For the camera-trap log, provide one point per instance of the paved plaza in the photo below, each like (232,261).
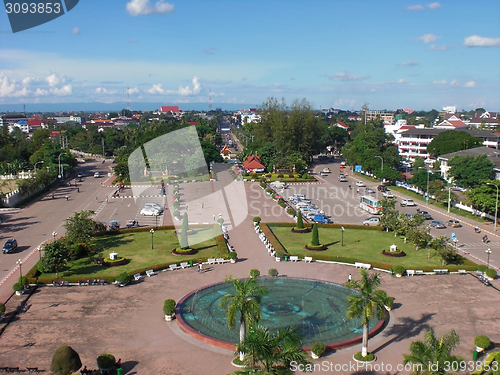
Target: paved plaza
(129,323)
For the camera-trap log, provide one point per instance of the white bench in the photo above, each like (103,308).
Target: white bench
(410,272)
(363,265)
(440,271)
(184,265)
(294,258)
(419,272)
(173,267)
(137,277)
(211,261)
(150,273)
(219,260)
(308,259)
(462,271)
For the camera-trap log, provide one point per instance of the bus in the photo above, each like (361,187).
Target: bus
(370,204)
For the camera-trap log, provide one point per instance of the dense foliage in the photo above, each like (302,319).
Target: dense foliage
(452,141)
(470,171)
(65,361)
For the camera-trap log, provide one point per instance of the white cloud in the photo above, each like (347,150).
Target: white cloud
(470,84)
(344,76)
(7,86)
(401,80)
(454,83)
(28,80)
(415,7)
(144,7)
(441,82)
(103,90)
(63,91)
(187,90)
(433,47)
(133,90)
(41,92)
(157,88)
(428,38)
(75,30)
(409,63)
(481,41)
(54,79)
(434,5)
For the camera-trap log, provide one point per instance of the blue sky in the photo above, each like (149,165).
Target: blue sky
(387,53)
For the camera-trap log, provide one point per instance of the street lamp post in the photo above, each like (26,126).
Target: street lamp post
(59,158)
(496,205)
(488,252)
(156,220)
(36,164)
(427,192)
(449,198)
(152,233)
(54,234)
(19,263)
(342,229)
(382,166)
(39,253)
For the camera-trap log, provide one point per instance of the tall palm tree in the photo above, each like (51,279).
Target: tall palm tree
(367,303)
(272,352)
(433,355)
(245,301)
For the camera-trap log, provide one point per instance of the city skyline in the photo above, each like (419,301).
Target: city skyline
(390,54)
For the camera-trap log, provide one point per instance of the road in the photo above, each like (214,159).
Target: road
(342,204)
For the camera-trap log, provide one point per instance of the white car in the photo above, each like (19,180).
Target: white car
(148,211)
(388,194)
(360,183)
(154,206)
(371,221)
(97,175)
(407,202)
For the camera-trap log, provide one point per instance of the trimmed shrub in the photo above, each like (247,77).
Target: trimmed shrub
(291,176)
(176,213)
(315,235)
(290,211)
(257,219)
(318,348)
(254,273)
(2,308)
(281,203)
(305,176)
(169,307)
(65,361)
(369,357)
(389,302)
(23,280)
(263,185)
(273,272)
(124,278)
(232,255)
(281,176)
(482,268)
(268,190)
(482,341)
(17,287)
(106,361)
(300,222)
(399,270)
(490,272)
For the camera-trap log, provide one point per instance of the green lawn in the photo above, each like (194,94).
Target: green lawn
(136,246)
(360,246)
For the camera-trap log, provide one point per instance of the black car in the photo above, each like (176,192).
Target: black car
(9,246)
(426,215)
(382,188)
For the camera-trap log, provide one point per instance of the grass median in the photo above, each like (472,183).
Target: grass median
(364,246)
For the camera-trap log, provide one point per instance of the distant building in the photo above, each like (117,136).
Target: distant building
(8,119)
(386,117)
(225,153)
(253,164)
(172,110)
(64,119)
(452,122)
(491,153)
(23,125)
(249,116)
(488,120)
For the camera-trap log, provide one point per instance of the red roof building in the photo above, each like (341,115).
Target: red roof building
(169,108)
(253,164)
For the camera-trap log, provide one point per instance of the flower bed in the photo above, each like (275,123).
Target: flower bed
(179,251)
(303,230)
(114,262)
(315,248)
(396,254)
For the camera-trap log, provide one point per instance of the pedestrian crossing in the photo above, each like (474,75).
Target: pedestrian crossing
(476,245)
(137,196)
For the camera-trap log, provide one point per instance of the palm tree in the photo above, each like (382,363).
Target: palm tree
(273,352)
(433,354)
(367,303)
(245,301)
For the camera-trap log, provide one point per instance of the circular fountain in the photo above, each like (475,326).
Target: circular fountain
(316,308)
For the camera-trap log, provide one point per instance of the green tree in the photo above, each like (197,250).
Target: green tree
(81,227)
(65,361)
(483,197)
(244,304)
(433,354)
(183,239)
(271,352)
(452,141)
(470,171)
(366,303)
(315,235)
(300,222)
(55,256)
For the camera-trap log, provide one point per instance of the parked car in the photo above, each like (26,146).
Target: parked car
(323,174)
(437,224)
(426,215)
(322,219)
(369,191)
(154,206)
(360,183)
(388,194)
(148,211)
(382,188)
(326,170)
(97,175)
(454,223)
(372,221)
(10,246)
(458,188)
(342,178)
(407,202)
(80,175)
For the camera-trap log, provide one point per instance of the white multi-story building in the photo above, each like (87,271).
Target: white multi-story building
(65,119)
(492,154)
(249,116)
(23,125)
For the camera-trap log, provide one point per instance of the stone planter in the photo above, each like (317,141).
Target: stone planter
(233,261)
(314,356)
(398,275)
(169,318)
(19,292)
(278,259)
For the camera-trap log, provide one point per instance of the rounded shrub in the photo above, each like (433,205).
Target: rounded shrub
(65,361)
(368,358)
(273,272)
(389,302)
(290,211)
(257,219)
(482,268)
(23,280)
(254,273)
(491,273)
(124,278)
(106,361)
(17,287)
(232,255)
(176,213)
(268,190)
(482,341)
(169,307)
(318,348)
(2,308)
(399,270)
